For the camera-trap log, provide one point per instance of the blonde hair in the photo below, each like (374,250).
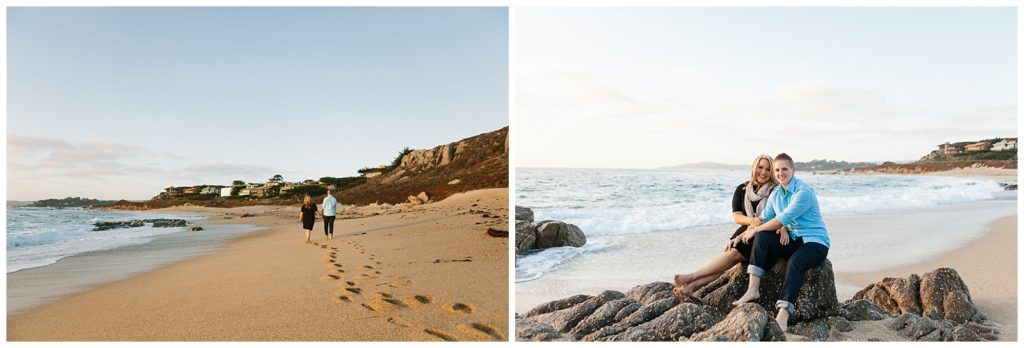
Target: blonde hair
(753,170)
(307,201)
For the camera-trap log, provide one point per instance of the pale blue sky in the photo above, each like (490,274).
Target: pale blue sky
(649,87)
(122,102)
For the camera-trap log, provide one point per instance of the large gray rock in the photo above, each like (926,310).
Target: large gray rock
(603,316)
(817,297)
(895,295)
(648,293)
(552,233)
(566,319)
(526,237)
(531,330)
(682,320)
(524,214)
(862,310)
(557,305)
(934,287)
(747,322)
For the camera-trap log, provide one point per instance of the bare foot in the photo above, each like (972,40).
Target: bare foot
(747,297)
(783,319)
(682,279)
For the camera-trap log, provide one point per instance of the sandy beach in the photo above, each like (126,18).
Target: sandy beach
(419,273)
(988,265)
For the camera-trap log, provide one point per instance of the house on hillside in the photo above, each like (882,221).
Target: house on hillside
(190,191)
(1005,144)
(977,147)
(226,191)
(244,192)
(210,190)
(948,149)
(264,191)
(172,191)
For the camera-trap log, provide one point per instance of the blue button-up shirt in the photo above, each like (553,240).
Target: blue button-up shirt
(330,206)
(797,209)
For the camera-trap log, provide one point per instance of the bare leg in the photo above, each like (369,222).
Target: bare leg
(708,272)
(307,236)
(716,265)
(783,318)
(753,291)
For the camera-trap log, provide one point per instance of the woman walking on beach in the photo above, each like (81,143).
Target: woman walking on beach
(806,244)
(308,215)
(747,203)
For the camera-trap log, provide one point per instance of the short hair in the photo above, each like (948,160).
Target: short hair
(784,157)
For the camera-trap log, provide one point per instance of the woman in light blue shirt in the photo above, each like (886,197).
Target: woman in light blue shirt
(792,205)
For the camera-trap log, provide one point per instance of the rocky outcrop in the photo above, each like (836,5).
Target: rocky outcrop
(106,225)
(532,235)
(650,312)
(748,322)
(936,306)
(817,298)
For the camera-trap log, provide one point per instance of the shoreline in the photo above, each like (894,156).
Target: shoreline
(422,273)
(32,287)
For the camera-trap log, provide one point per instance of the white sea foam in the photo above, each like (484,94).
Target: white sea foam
(608,203)
(41,236)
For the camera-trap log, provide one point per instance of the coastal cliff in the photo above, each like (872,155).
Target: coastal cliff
(472,163)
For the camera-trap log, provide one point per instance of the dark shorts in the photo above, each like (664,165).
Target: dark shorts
(308,225)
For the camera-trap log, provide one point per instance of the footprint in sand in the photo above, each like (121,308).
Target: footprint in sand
(482,330)
(350,283)
(342,299)
(329,278)
(439,334)
(459,308)
(354,290)
(423,299)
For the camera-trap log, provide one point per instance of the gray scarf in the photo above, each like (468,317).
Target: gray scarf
(761,196)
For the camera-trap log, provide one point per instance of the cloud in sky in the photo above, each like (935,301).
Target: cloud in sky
(569,117)
(645,87)
(41,167)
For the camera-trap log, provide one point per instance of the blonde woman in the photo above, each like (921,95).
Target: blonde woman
(307,215)
(747,203)
(805,246)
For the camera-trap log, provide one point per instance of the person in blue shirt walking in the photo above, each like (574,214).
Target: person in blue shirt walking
(330,205)
(792,205)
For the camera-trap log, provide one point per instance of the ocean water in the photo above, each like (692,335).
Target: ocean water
(38,237)
(612,205)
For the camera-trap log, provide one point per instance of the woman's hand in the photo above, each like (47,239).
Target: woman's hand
(754,222)
(783,236)
(748,235)
(731,244)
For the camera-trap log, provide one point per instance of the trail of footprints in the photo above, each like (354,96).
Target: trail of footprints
(368,286)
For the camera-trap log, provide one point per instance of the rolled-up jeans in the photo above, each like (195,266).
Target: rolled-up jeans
(802,257)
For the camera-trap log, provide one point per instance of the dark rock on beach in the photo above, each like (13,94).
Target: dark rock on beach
(936,306)
(106,225)
(748,322)
(531,235)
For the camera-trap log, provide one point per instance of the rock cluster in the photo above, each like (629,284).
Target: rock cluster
(531,235)
(935,306)
(107,225)
(651,312)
